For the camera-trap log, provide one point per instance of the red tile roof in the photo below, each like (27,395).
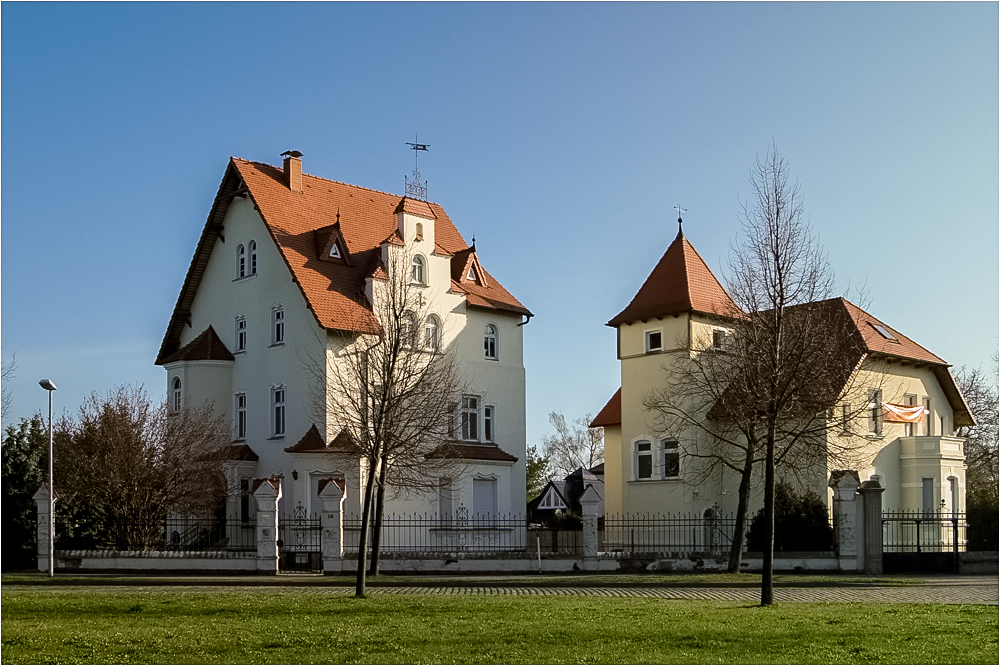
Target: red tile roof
(241,452)
(680,282)
(467,451)
(312,442)
(611,414)
(206,347)
(332,290)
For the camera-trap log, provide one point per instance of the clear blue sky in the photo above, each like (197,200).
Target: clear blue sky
(561,134)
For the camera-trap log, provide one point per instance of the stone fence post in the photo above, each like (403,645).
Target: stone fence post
(845,484)
(590,501)
(871,510)
(41,498)
(267,492)
(332,493)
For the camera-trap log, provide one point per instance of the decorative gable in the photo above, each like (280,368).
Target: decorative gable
(330,244)
(552,500)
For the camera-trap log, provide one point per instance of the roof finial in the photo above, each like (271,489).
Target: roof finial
(338,215)
(473,240)
(416,188)
(680,219)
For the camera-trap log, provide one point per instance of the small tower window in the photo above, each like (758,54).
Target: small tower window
(241,261)
(420,231)
(418,270)
(490,342)
(253,257)
(654,341)
(177,394)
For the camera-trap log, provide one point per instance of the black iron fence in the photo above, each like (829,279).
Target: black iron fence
(431,533)
(179,533)
(300,532)
(923,532)
(691,533)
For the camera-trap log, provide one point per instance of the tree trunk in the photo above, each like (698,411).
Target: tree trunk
(359,590)
(736,550)
(377,531)
(767,574)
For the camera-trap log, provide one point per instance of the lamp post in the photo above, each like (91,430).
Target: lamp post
(50,387)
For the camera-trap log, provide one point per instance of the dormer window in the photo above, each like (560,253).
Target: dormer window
(419,270)
(335,251)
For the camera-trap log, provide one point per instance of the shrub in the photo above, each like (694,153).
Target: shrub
(984,529)
(800,523)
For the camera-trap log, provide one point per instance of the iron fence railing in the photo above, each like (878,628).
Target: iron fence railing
(431,533)
(179,533)
(300,532)
(923,532)
(670,533)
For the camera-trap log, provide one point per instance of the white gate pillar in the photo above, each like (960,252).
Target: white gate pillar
(332,493)
(845,484)
(590,501)
(267,492)
(871,509)
(41,498)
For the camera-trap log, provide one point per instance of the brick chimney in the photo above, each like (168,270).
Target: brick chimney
(293,169)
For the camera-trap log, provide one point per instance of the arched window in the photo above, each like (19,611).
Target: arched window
(432,333)
(418,269)
(253,257)
(176,391)
(241,261)
(490,342)
(420,231)
(408,330)
(955,497)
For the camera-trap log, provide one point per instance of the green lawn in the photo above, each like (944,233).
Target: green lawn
(314,625)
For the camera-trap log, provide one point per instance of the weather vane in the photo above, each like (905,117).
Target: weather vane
(680,215)
(416,188)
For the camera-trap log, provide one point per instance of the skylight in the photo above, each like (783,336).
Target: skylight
(884,332)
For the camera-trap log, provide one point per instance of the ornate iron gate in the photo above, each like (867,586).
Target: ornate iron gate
(300,545)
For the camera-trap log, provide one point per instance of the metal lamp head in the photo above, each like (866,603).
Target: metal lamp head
(47,385)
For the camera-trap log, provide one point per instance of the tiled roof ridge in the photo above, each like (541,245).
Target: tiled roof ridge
(330,180)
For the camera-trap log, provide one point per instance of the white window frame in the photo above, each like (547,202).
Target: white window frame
(253,257)
(418,270)
(408,330)
(910,399)
(490,342)
(432,333)
(241,416)
(241,334)
(175,388)
(489,423)
(719,336)
(875,424)
(928,421)
(647,336)
(279,399)
(241,262)
(638,453)
(277,325)
(469,417)
(335,251)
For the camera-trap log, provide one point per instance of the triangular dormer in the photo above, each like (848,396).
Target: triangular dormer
(466,269)
(331,245)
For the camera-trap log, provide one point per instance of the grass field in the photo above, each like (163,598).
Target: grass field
(303,625)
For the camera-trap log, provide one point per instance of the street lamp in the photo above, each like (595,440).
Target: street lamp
(50,387)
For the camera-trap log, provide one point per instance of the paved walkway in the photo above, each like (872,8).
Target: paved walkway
(957,591)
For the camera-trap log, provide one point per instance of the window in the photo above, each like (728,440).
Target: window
(654,341)
(418,269)
(484,498)
(718,339)
(177,394)
(446,499)
(488,416)
(253,257)
(928,424)
(845,419)
(490,342)
(241,261)
(277,326)
(875,412)
(335,250)
(643,460)
(884,332)
(241,416)
(278,410)
(671,459)
(245,500)
(927,495)
(955,497)
(420,231)
(432,334)
(241,334)
(470,418)
(910,401)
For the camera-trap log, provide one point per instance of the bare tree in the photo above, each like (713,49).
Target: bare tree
(981,443)
(394,393)
(766,395)
(126,463)
(7,369)
(573,445)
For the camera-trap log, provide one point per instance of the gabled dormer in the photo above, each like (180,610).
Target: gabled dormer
(330,244)
(415,221)
(466,269)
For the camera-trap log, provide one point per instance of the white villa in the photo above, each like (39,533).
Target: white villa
(908,429)
(285,264)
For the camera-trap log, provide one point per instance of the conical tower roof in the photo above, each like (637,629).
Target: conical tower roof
(681,282)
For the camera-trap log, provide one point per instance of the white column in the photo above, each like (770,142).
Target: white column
(267,492)
(41,498)
(331,494)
